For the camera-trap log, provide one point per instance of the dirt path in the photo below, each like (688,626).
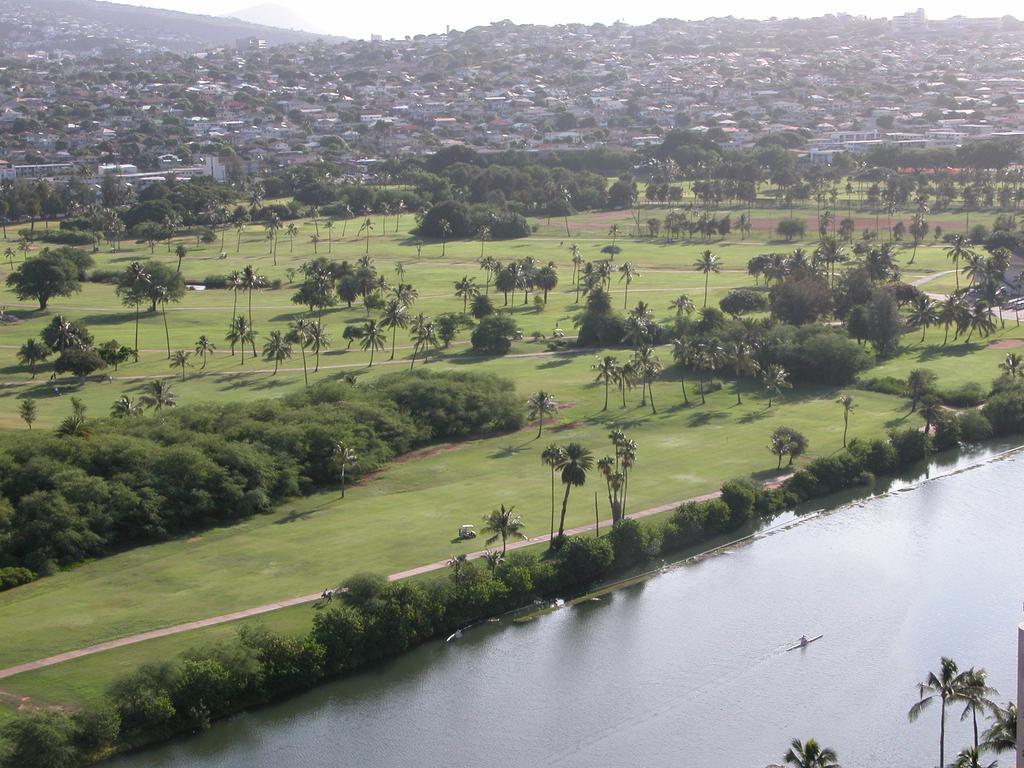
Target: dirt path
(261,609)
(933,276)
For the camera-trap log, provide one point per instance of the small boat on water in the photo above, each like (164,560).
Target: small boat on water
(454,635)
(804,642)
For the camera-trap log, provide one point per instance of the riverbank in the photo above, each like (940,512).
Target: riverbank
(704,642)
(438,609)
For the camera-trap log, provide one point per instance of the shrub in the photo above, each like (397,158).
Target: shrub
(911,445)
(742,300)
(494,335)
(631,542)
(13,576)
(974,426)
(739,496)
(599,329)
(878,456)
(887,385)
(717,516)
(1005,411)
(947,431)
(581,560)
(967,395)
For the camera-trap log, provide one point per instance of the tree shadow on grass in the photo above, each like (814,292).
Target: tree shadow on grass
(705,417)
(955,350)
(291,516)
(557,362)
(254,381)
(767,475)
(118,318)
(508,451)
(753,416)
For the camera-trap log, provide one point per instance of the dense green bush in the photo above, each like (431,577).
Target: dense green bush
(1005,411)
(967,395)
(815,353)
(143,480)
(911,445)
(12,577)
(494,335)
(974,426)
(887,385)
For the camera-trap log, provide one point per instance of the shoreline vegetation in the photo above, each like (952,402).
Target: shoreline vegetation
(372,620)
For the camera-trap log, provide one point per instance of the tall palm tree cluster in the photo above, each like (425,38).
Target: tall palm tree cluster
(946,688)
(951,687)
(525,275)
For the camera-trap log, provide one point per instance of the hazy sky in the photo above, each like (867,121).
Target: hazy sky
(401,17)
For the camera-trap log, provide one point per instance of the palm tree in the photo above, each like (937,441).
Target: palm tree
(976,695)
(125,407)
(628,272)
(924,313)
(1002,734)
(204,347)
(849,407)
(345,458)
(424,336)
(239,229)
(158,395)
(277,348)
(234,284)
(739,353)
(504,525)
(31,353)
(810,755)
(946,686)
(137,281)
(292,231)
(608,370)
(319,341)
(163,295)
(707,263)
(395,316)
(541,404)
(980,319)
(241,333)
(683,352)
(647,365)
(577,260)
(971,758)
(776,379)
(446,229)
(252,280)
(367,227)
(574,462)
(329,226)
(466,289)
(959,248)
(931,412)
(181,252)
(74,425)
(9,254)
(552,456)
(27,411)
(300,333)
(682,304)
(180,359)
(373,338)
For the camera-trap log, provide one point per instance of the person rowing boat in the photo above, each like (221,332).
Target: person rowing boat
(804,641)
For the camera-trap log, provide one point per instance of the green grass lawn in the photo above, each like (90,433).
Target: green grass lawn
(408,513)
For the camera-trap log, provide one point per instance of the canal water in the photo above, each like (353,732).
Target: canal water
(689,668)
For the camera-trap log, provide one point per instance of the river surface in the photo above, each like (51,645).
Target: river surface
(689,668)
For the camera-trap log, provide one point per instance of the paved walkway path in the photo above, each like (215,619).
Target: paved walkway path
(261,609)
